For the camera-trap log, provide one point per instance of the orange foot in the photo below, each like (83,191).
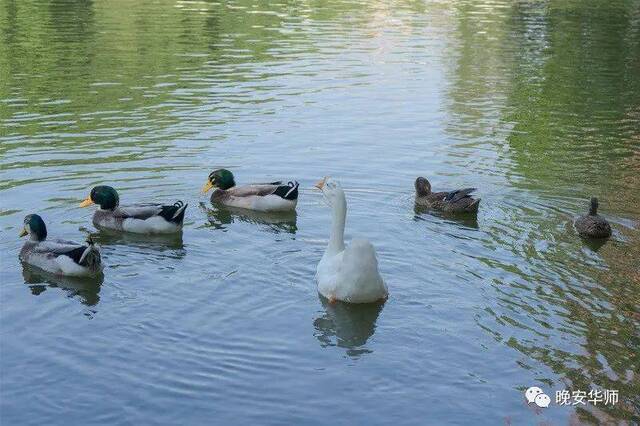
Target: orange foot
(332,299)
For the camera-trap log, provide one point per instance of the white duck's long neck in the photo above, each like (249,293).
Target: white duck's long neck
(336,240)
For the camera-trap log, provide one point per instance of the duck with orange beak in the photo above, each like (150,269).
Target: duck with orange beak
(137,218)
(347,273)
(56,256)
(263,197)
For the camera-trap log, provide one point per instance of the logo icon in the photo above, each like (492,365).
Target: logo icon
(537,396)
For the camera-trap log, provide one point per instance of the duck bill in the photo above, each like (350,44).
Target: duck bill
(86,203)
(320,183)
(23,232)
(207,186)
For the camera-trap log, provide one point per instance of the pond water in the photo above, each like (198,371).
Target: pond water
(537,104)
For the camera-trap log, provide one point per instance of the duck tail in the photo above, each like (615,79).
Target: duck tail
(473,207)
(175,213)
(292,194)
(290,191)
(90,257)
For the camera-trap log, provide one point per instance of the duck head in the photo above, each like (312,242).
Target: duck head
(423,187)
(593,210)
(104,196)
(34,227)
(331,190)
(220,178)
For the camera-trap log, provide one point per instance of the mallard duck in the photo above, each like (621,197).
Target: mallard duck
(57,256)
(349,274)
(593,225)
(140,218)
(458,201)
(265,197)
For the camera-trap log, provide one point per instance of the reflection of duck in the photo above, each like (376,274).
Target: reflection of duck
(275,221)
(86,289)
(458,201)
(465,220)
(594,244)
(351,325)
(161,242)
(139,218)
(266,197)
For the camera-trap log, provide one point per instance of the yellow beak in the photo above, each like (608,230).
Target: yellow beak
(87,202)
(207,186)
(320,183)
(23,232)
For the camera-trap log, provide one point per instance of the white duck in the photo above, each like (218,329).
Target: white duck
(349,274)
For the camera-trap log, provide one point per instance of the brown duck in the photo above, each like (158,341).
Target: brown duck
(458,201)
(593,225)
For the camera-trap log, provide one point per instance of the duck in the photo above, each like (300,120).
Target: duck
(347,273)
(264,197)
(593,225)
(58,257)
(139,218)
(458,201)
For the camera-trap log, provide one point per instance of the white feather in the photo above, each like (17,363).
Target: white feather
(263,203)
(59,265)
(69,267)
(44,262)
(273,203)
(152,225)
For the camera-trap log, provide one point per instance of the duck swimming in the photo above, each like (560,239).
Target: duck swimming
(349,274)
(59,257)
(264,197)
(458,201)
(593,225)
(140,218)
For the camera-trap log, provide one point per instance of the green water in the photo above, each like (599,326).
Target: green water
(537,104)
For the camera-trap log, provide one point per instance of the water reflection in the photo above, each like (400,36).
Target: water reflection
(463,220)
(594,244)
(220,216)
(124,248)
(536,102)
(561,118)
(84,289)
(156,242)
(347,325)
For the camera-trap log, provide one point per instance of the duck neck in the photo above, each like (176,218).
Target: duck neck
(336,241)
(37,238)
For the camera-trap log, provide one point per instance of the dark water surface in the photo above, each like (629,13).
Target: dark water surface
(535,103)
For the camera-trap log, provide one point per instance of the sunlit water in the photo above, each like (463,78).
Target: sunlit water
(536,104)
